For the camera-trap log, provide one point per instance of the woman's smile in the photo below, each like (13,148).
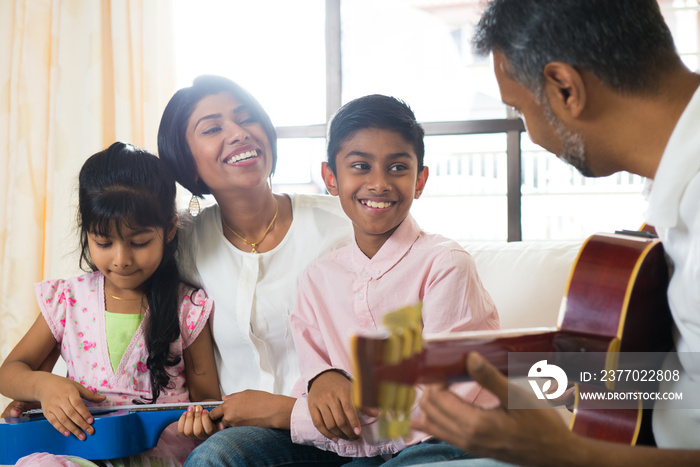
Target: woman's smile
(235,157)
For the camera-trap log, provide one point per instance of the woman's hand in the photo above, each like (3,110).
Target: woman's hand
(331,407)
(254,408)
(62,403)
(196,423)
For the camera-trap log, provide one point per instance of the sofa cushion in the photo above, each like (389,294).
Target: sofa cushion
(525,279)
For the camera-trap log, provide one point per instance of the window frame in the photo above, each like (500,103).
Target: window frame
(511,127)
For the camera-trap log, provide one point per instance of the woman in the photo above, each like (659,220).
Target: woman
(248,250)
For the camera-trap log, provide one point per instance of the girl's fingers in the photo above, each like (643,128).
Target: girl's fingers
(79,414)
(83,418)
(64,425)
(197,429)
(185,425)
(208,426)
(181,423)
(196,423)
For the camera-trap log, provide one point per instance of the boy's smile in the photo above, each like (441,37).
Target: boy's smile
(376,180)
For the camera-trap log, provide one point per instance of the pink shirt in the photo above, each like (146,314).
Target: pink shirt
(345,293)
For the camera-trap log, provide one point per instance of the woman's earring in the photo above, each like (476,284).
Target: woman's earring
(194,206)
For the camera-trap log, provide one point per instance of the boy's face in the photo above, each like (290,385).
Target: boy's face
(376,180)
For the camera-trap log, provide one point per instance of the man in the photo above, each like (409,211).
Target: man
(599,83)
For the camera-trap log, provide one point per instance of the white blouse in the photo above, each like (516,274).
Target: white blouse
(254,293)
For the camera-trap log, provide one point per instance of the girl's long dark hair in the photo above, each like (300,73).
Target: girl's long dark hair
(128,186)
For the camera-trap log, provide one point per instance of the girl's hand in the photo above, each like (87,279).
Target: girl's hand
(63,406)
(17,408)
(331,407)
(196,423)
(254,408)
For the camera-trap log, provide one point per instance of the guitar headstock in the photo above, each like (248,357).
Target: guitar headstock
(383,369)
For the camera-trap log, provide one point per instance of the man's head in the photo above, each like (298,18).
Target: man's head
(624,43)
(551,56)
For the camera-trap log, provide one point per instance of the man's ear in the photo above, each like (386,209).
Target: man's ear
(421,181)
(329,179)
(565,89)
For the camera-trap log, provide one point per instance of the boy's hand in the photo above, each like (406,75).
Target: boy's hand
(196,423)
(63,406)
(331,407)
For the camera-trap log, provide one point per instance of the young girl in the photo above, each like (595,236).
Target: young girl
(130,331)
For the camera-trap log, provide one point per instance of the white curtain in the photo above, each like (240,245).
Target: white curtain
(75,76)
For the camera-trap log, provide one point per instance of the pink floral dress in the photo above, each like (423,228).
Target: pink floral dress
(74,310)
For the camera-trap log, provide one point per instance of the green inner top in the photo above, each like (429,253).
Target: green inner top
(120,328)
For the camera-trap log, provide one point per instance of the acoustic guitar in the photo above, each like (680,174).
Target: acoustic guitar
(615,301)
(120,431)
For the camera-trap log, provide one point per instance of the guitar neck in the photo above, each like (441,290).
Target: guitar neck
(443,358)
(139,407)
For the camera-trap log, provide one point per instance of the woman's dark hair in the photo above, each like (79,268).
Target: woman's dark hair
(172,143)
(625,43)
(127,186)
(374,111)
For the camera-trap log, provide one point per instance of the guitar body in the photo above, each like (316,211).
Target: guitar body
(119,432)
(615,301)
(618,289)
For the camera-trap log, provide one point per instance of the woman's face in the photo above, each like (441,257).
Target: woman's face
(229,145)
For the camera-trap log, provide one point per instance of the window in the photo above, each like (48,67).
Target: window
(302,60)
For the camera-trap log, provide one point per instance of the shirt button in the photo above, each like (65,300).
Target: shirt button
(377,272)
(360,295)
(364,273)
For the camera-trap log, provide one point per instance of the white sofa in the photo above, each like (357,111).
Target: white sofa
(526,279)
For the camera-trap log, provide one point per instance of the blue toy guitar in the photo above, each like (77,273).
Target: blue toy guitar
(119,432)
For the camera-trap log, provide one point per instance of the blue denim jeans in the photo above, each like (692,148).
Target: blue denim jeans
(263,447)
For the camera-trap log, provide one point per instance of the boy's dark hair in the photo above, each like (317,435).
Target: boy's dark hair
(172,142)
(625,43)
(131,187)
(374,111)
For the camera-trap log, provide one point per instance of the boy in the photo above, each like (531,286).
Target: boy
(375,166)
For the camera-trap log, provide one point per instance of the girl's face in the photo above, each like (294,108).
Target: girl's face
(127,261)
(229,145)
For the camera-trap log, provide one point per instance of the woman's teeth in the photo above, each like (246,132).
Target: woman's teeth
(242,156)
